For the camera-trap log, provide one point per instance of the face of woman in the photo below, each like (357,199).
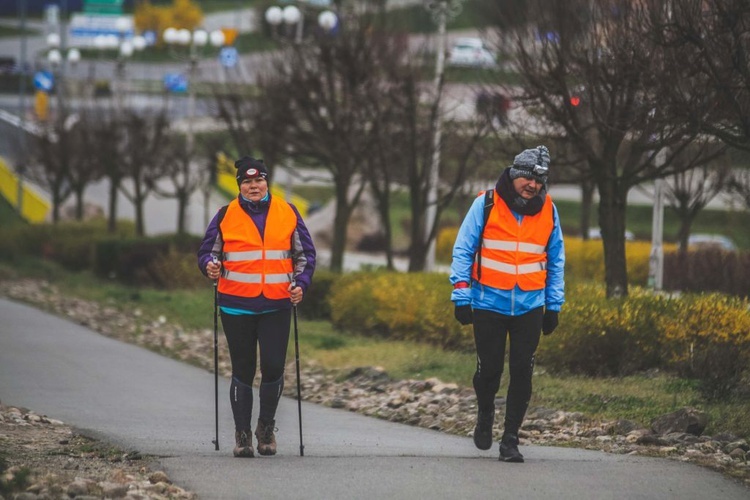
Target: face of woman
(526,188)
(254,189)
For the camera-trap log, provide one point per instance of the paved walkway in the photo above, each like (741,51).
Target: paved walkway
(140,400)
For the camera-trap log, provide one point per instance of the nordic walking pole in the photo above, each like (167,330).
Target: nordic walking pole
(299,389)
(216,357)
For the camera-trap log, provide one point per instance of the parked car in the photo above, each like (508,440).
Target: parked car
(702,240)
(472,53)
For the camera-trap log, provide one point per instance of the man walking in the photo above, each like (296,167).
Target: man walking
(508,280)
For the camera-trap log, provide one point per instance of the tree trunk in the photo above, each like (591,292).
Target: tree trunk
(612,224)
(112,218)
(140,229)
(182,201)
(79,204)
(340,224)
(587,201)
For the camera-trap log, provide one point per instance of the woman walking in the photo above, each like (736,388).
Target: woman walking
(263,257)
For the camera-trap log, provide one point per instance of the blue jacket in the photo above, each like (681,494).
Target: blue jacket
(513,302)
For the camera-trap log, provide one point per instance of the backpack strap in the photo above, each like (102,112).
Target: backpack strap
(489,201)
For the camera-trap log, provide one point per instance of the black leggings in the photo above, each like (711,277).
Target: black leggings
(490,332)
(244,332)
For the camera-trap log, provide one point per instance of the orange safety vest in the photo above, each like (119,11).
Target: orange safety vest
(514,253)
(253,265)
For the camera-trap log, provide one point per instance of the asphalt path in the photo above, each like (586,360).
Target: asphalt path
(142,401)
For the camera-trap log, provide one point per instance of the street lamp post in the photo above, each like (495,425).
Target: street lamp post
(58,64)
(292,15)
(656,257)
(289,15)
(194,40)
(442,11)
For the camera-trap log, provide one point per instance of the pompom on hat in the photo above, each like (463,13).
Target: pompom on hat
(250,168)
(531,164)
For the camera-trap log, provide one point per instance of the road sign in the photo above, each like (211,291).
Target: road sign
(102,6)
(44,80)
(175,82)
(228,57)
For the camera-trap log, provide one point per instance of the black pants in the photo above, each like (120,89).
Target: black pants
(247,334)
(490,332)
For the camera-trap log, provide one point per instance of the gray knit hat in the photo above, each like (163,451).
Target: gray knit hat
(531,164)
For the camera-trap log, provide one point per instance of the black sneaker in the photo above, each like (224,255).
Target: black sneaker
(483,430)
(509,449)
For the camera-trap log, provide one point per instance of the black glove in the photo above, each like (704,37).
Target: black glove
(549,322)
(464,315)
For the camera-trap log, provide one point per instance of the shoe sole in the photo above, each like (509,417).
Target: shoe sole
(512,460)
(244,454)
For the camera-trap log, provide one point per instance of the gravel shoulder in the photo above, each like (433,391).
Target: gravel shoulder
(41,457)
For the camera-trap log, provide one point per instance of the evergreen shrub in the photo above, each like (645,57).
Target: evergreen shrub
(315,303)
(71,244)
(145,261)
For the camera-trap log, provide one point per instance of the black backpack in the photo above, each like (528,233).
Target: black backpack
(489,201)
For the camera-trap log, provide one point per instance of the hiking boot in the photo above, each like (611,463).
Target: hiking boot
(243,444)
(266,438)
(483,429)
(509,449)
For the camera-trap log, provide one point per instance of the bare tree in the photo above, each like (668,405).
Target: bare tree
(87,168)
(316,93)
(620,124)
(55,151)
(184,176)
(707,43)
(144,158)
(690,191)
(739,185)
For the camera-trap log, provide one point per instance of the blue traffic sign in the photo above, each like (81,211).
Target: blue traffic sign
(228,57)
(175,82)
(44,80)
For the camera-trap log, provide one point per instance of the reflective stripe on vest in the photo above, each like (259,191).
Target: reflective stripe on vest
(515,253)
(253,265)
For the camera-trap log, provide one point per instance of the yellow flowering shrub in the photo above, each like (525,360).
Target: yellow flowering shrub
(708,338)
(399,306)
(600,337)
(444,245)
(584,260)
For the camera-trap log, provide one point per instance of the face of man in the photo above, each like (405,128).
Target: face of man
(254,189)
(527,188)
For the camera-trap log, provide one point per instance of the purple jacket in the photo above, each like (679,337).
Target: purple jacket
(303,256)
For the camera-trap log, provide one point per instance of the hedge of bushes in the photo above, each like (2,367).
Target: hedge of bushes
(706,337)
(161,262)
